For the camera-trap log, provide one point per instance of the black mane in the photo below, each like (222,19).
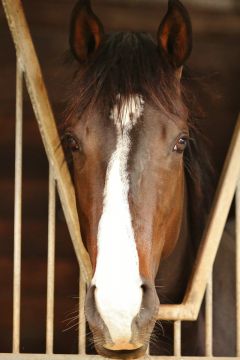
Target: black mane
(126,63)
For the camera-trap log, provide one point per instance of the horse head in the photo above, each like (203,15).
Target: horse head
(126,133)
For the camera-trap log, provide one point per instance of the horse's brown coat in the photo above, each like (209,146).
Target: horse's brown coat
(122,65)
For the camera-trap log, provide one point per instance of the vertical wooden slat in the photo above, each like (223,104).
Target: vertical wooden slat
(177,338)
(51,262)
(208,319)
(238,267)
(17,212)
(148,351)
(82,320)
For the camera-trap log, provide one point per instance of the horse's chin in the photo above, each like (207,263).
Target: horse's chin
(124,346)
(133,350)
(121,354)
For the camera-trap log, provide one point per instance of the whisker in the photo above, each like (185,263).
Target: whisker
(71,327)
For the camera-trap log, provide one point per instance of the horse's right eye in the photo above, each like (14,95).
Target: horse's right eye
(72,143)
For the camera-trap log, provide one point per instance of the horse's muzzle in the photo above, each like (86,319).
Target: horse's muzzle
(142,326)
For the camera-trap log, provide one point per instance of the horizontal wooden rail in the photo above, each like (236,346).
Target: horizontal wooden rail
(30,66)
(97,357)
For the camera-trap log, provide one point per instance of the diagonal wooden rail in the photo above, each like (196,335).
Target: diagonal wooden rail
(228,185)
(35,84)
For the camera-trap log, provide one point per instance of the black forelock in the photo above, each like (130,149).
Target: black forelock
(125,64)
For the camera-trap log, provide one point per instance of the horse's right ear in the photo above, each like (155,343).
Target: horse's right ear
(86,31)
(175,34)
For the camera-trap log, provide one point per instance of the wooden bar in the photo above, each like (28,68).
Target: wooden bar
(177,338)
(17,212)
(82,320)
(47,126)
(217,220)
(51,263)
(176,312)
(209,319)
(238,267)
(97,357)
(190,307)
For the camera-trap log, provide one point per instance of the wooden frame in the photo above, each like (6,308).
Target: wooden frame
(29,68)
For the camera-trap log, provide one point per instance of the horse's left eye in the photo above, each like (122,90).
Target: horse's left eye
(181,145)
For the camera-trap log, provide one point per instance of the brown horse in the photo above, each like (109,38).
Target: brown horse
(133,149)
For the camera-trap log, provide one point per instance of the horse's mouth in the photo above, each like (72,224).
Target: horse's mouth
(122,354)
(122,346)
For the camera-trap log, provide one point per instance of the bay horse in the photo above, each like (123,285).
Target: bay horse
(136,161)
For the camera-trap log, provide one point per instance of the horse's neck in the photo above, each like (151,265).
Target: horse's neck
(174,271)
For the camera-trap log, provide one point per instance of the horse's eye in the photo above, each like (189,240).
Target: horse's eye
(181,145)
(72,143)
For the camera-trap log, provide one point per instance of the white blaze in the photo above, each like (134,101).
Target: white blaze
(117,279)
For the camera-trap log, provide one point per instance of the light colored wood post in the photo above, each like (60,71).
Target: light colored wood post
(17,212)
(82,320)
(51,262)
(238,267)
(208,319)
(177,338)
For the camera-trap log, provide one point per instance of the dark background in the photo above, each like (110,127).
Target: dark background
(215,62)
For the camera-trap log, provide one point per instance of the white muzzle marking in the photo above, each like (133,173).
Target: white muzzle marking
(117,279)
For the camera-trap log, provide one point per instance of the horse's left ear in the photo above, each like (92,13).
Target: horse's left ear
(175,34)
(86,31)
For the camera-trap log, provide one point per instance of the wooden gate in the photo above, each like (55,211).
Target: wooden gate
(28,69)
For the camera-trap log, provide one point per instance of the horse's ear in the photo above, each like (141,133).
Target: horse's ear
(175,34)
(86,31)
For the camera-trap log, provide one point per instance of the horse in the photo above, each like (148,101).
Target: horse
(139,167)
